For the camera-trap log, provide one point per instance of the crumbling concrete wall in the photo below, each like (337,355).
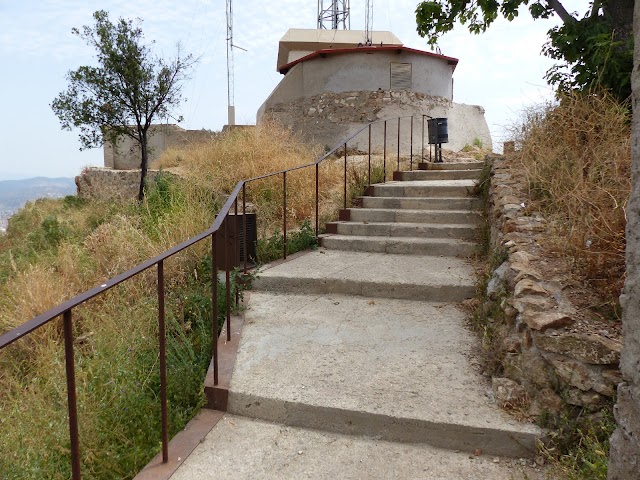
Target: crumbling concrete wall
(329,118)
(625,442)
(126,154)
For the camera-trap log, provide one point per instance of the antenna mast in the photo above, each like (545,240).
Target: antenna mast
(335,16)
(231,109)
(368,22)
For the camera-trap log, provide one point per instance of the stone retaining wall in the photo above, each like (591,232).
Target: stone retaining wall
(329,118)
(553,357)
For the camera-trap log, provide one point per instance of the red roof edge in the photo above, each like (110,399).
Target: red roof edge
(385,48)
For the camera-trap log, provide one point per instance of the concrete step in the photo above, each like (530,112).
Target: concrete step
(378,275)
(394,229)
(240,448)
(438,175)
(413,216)
(421,203)
(450,166)
(424,188)
(399,245)
(393,370)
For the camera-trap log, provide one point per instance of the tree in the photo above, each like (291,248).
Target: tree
(125,93)
(596,50)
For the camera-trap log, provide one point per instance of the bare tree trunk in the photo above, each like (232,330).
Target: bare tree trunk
(624,462)
(561,11)
(144,164)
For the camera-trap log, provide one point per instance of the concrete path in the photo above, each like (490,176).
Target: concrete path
(355,360)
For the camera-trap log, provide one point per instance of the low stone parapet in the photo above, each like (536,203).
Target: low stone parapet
(109,184)
(553,353)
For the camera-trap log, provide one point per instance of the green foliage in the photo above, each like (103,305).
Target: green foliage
(596,50)
(593,57)
(579,445)
(271,248)
(128,89)
(73,201)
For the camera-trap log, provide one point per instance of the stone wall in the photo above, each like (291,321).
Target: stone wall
(553,355)
(126,154)
(625,442)
(109,184)
(331,117)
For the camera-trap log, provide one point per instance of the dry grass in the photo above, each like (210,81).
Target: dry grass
(576,157)
(56,249)
(247,153)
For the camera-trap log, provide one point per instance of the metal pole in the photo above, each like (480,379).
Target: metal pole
(244,226)
(369,154)
(227,264)
(411,150)
(422,156)
(384,155)
(398,144)
(237,249)
(284,211)
(317,200)
(214,302)
(163,363)
(345,176)
(71,394)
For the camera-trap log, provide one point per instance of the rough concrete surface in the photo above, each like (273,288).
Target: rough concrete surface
(372,274)
(625,442)
(240,448)
(425,188)
(442,203)
(405,246)
(355,365)
(415,230)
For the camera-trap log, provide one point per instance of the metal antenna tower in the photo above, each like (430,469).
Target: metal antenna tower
(231,109)
(335,16)
(368,22)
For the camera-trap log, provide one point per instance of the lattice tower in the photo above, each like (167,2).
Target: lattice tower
(334,15)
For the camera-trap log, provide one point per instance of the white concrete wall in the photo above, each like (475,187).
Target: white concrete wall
(360,71)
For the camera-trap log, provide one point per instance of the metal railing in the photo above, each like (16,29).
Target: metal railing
(220,226)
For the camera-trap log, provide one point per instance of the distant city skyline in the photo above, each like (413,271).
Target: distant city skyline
(501,70)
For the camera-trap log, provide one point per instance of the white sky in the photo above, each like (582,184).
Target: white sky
(502,70)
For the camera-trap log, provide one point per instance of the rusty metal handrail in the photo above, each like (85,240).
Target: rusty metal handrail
(65,309)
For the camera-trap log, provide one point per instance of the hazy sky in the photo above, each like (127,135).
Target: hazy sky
(502,70)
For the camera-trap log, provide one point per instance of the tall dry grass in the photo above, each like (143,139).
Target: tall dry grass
(576,157)
(55,249)
(247,153)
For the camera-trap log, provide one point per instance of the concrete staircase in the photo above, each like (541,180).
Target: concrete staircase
(361,344)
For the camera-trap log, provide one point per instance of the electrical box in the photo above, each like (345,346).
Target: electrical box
(233,244)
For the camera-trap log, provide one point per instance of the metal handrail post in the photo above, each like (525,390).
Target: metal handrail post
(71,394)
(214,302)
(398,169)
(284,212)
(162,336)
